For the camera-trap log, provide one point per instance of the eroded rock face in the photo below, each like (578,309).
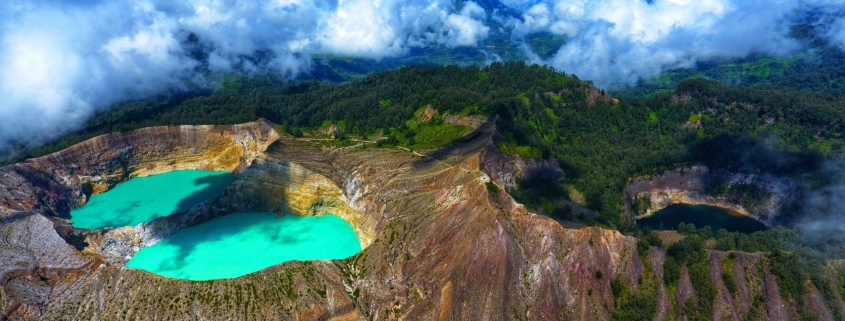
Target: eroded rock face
(506,170)
(438,245)
(31,252)
(695,185)
(289,188)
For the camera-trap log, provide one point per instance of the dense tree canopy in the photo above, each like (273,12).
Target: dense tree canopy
(600,142)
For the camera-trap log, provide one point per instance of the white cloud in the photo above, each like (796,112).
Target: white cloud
(466,28)
(65,60)
(836,33)
(362,28)
(37,82)
(365,28)
(613,41)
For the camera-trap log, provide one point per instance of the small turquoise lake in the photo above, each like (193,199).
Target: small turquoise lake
(701,215)
(241,243)
(143,199)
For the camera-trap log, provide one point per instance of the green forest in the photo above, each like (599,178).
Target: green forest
(405,119)
(601,143)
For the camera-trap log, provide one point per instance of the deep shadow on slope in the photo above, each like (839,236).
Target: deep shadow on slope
(213,186)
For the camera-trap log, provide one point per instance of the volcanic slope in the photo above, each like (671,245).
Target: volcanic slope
(440,238)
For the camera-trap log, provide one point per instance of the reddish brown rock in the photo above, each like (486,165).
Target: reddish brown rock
(438,244)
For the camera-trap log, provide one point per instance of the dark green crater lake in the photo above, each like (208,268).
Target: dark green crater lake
(701,215)
(144,199)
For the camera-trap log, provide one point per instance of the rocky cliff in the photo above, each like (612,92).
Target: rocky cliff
(439,242)
(761,197)
(54,183)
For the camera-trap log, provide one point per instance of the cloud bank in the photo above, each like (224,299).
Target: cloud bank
(622,41)
(63,61)
(822,220)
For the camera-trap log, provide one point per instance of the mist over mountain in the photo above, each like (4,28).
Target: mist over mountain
(65,61)
(493,159)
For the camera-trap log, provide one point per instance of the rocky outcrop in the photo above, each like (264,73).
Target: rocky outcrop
(427,114)
(596,94)
(469,121)
(330,130)
(763,198)
(506,170)
(439,244)
(31,252)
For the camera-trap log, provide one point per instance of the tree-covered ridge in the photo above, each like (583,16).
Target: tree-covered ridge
(601,142)
(746,129)
(378,101)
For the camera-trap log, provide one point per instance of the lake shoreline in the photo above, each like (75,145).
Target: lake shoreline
(701,215)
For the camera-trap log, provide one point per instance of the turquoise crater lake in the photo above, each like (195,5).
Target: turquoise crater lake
(701,215)
(143,199)
(241,243)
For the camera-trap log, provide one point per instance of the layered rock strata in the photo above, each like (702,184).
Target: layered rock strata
(440,244)
(55,183)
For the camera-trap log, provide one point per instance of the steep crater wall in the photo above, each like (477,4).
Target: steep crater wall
(761,197)
(267,185)
(56,183)
(38,195)
(443,246)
